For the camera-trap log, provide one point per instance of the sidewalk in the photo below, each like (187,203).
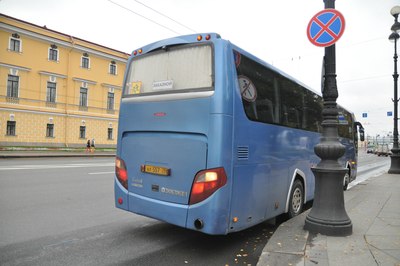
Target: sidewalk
(374,209)
(54,153)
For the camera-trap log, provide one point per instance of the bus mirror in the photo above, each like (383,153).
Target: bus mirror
(362,135)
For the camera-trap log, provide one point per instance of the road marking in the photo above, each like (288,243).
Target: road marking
(39,167)
(378,169)
(101,173)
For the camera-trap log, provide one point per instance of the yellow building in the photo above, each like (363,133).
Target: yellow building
(56,90)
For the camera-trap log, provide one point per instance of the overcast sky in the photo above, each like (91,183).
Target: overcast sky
(273,30)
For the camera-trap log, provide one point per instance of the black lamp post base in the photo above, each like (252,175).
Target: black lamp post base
(394,164)
(328,228)
(328,215)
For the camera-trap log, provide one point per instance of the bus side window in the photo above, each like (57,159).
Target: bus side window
(265,111)
(264,106)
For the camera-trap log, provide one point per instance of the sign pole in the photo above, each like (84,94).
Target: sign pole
(328,215)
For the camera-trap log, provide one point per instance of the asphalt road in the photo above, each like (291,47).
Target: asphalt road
(60,211)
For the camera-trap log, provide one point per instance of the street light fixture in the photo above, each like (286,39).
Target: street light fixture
(394,36)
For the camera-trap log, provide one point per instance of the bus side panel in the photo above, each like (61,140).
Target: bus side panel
(263,172)
(262,181)
(250,197)
(213,212)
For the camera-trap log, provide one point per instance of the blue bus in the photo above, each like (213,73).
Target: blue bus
(213,139)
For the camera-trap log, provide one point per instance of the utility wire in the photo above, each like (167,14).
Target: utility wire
(137,14)
(177,22)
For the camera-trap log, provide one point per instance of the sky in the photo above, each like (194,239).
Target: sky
(274,31)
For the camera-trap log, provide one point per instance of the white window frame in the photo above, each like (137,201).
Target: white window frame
(58,54)
(116,69)
(110,130)
(113,103)
(19,84)
(47,90)
(87,97)
(20,44)
(53,135)
(88,58)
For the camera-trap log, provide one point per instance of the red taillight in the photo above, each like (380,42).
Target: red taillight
(206,183)
(121,172)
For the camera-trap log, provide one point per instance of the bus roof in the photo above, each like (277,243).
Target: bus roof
(206,37)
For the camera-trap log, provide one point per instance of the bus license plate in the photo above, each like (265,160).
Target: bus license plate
(155,170)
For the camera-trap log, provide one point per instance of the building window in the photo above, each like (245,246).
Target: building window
(110,133)
(50,130)
(85,63)
(113,68)
(110,101)
(53,53)
(82,132)
(11,128)
(83,97)
(15,44)
(12,86)
(51,92)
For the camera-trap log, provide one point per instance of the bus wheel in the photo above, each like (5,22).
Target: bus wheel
(346,181)
(296,199)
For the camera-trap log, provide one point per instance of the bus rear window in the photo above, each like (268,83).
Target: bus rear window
(173,70)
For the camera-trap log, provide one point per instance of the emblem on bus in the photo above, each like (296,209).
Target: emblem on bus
(173,192)
(159,114)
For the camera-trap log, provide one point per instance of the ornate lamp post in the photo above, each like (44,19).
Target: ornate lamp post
(395,157)
(328,215)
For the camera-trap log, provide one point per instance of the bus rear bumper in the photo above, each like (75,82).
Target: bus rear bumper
(165,211)
(213,219)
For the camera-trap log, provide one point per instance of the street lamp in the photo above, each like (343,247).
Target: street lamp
(328,215)
(395,157)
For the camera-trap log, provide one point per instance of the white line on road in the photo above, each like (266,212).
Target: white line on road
(101,173)
(38,167)
(365,174)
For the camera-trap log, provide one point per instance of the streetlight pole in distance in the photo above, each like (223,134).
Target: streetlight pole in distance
(395,157)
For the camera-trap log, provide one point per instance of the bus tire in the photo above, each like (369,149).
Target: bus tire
(296,199)
(346,181)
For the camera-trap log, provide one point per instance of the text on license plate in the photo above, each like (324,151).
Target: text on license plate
(155,170)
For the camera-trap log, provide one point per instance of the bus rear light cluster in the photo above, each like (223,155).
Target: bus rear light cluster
(206,183)
(121,172)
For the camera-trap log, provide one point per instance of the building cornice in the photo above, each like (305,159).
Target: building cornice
(58,114)
(71,43)
(111,86)
(52,74)
(85,80)
(15,67)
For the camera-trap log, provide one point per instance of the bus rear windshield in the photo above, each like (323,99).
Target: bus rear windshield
(177,69)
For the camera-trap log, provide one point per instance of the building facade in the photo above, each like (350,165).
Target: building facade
(57,90)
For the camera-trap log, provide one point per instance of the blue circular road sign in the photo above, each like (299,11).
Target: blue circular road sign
(326,27)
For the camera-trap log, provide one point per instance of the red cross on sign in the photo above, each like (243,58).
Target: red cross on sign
(326,27)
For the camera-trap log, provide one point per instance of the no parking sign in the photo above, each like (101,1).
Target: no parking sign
(326,27)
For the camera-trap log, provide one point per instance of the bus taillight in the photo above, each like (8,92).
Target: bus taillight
(121,172)
(206,183)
